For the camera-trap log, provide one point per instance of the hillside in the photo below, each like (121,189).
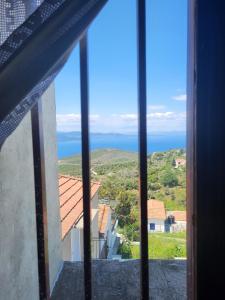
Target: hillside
(100,159)
(118,173)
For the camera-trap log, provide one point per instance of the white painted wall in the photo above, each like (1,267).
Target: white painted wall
(73,245)
(159,225)
(73,242)
(66,247)
(94,201)
(76,244)
(178,226)
(94,223)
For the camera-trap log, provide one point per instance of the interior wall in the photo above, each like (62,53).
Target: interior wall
(18,246)
(18,243)
(52,186)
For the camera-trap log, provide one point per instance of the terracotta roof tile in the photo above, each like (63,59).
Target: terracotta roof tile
(103,215)
(63,180)
(67,185)
(74,189)
(180,161)
(71,201)
(156,209)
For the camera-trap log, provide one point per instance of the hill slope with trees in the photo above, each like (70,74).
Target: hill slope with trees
(118,173)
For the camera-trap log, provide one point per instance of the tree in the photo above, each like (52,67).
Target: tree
(169,179)
(123,208)
(174,163)
(131,232)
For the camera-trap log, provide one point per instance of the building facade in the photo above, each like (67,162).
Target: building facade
(156,216)
(71,215)
(177,220)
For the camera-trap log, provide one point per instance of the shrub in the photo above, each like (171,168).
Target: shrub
(125,202)
(131,232)
(169,179)
(125,250)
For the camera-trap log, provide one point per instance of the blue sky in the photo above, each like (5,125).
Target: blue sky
(113,70)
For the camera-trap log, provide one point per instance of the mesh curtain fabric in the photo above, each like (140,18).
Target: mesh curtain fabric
(36,38)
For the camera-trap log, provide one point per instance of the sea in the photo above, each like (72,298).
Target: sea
(69,143)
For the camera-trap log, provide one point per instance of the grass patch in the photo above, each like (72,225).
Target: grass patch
(164,246)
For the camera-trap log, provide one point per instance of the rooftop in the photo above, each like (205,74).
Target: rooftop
(71,201)
(156,209)
(104,211)
(180,161)
(179,215)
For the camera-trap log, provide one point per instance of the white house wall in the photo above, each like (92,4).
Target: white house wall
(73,242)
(159,225)
(94,232)
(178,226)
(94,201)
(73,245)
(66,247)
(94,224)
(76,244)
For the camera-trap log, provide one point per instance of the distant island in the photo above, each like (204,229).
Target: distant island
(69,143)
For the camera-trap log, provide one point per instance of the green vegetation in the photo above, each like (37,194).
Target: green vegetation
(118,173)
(125,250)
(164,246)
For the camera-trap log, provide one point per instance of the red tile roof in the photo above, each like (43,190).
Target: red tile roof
(71,201)
(156,209)
(103,215)
(179,215)
(181,161)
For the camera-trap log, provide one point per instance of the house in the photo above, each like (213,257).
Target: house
(71,216)
(105,229)
(161,221)
(104,220)
(156,216)
(179,162)
(177,220)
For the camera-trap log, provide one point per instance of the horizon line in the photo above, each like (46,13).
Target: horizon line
(125,133)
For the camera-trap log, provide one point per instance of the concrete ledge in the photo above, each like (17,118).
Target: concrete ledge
(120,280)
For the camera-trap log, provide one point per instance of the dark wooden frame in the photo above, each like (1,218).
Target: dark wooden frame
(191,157)
(205,149)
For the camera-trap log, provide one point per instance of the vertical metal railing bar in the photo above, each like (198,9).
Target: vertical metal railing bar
(40,200)
(85,164)
(142,122)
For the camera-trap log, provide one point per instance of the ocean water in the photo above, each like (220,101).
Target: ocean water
(70,143)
